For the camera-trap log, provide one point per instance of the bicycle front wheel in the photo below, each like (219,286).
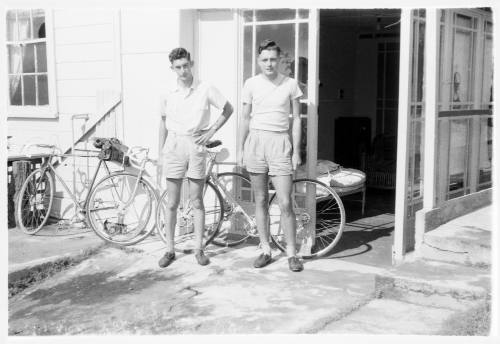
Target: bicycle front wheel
(318,210)
(119,208)
(239,210)
(35,201)
(184,228)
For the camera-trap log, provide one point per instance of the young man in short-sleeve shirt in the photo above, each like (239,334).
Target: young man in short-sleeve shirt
(266,150)
(184,132)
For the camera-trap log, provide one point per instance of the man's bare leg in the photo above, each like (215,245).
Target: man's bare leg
(196,188)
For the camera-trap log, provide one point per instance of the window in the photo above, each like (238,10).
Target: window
(30,85)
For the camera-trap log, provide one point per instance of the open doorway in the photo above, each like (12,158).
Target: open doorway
(357,120)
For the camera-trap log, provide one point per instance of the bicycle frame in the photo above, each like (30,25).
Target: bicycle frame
(80,206)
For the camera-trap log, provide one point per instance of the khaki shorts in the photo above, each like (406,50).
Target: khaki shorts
(182,157)
(268,152)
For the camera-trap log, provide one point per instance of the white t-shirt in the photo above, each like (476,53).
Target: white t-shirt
(270,101)
(188,111)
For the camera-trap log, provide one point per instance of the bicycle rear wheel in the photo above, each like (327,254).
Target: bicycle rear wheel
(184,228)
(34,201)
(317,208)
(239,210)
(110,217)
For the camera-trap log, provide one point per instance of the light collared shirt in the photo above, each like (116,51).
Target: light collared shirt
(187,111)
(270,101)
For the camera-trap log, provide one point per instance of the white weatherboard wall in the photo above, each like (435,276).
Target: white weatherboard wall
(85,47)
(147,37)
(217,60)
(84,66)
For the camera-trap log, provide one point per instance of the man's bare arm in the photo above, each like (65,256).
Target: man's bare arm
(227,111)
(296,133)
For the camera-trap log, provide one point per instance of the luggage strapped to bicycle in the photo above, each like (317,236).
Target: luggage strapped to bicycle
(112,150)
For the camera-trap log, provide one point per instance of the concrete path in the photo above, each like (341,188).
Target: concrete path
(119,291)
(48,245)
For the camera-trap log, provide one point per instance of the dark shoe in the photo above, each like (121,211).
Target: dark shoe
(201,258)
(167,259)
(295,264)
(262,260)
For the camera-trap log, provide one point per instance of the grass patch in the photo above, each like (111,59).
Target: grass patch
(20,280)
(473,322)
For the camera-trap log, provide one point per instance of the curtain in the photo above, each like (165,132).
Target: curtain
(16,59)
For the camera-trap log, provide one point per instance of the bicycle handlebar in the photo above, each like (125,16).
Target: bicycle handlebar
(134,157)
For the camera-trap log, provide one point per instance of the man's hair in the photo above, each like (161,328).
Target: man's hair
(269,44)
(179,53)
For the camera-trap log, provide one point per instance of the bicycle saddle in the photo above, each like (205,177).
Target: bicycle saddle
(213,144)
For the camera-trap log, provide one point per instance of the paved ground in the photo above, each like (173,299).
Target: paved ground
(122,291)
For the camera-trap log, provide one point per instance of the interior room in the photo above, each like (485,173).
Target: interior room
(358,107)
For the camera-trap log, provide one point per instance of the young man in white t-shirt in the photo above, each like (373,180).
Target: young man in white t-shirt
(266,148)
(184,132)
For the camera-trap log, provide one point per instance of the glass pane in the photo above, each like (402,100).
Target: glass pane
(39,23)
(15,90)
(463,21)
(248,15)
(458,154)
(11,26)
(248,58)
(485,151)
(41,58)
(462,65)
(43,90)
(23,20)
(303,58)
(275,14)
(15,59)
(303,13)
(487,95)
(488,27)
(284,36)
(29,58)
(420,64)
(29,90)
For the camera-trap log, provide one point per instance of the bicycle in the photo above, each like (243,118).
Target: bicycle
(230,210)
(36,195)
(120,205)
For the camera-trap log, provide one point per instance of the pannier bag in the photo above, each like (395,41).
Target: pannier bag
(112,150)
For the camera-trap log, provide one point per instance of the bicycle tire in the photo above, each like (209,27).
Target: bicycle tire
(234,220)
(144,199)
(330,217)
(212,200)
(30,202)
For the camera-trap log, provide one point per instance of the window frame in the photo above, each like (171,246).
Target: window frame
(37,111)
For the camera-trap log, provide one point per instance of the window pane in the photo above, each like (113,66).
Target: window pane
(41,58)
(11,26)
(463,21)
(29,58)
(39,23)
(284,35)
(458,154)
(248,15)
(43,90)
(303,57)
(29,90)
(15,59)
(248,58)
(487,95)
(15,90)
(485,152)
(462,65)
(23,20)
(303,13)
(275,14)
